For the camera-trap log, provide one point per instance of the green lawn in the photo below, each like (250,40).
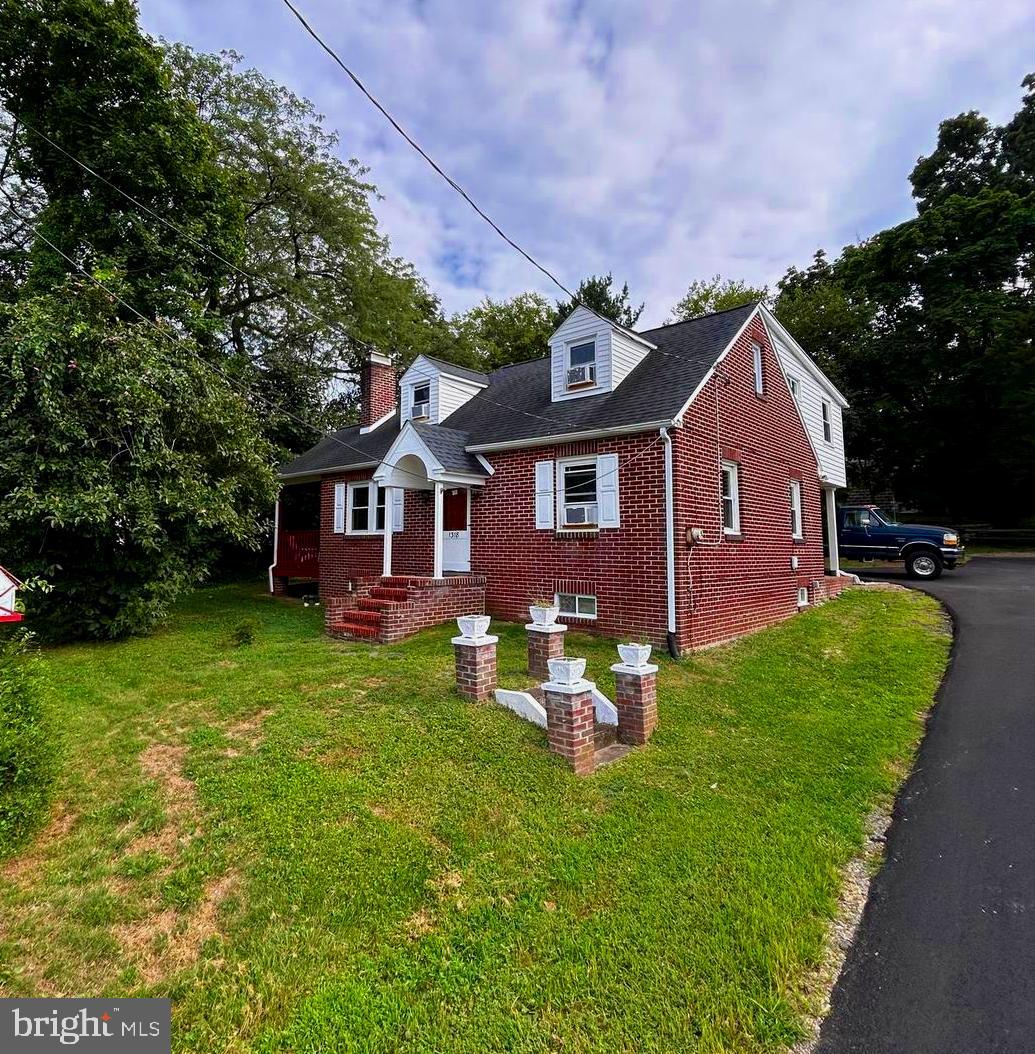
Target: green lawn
(315,846)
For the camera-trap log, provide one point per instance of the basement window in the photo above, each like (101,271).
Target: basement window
(803,596)
(577,605)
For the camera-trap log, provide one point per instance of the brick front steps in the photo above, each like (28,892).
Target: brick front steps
(394,608)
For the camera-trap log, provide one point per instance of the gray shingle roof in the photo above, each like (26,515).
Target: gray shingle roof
(459,371)
(516,405)
(448,445)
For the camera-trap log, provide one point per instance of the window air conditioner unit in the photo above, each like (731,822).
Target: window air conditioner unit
(579,375)
(421,410)
(579,515)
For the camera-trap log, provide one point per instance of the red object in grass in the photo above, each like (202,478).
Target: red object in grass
(8,588)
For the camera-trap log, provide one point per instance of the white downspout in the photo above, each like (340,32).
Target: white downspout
(276,536)
(670,542)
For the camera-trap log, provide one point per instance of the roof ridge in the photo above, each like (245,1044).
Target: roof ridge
(699,318)
(454,365)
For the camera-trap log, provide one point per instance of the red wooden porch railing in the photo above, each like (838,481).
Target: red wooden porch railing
(298,554)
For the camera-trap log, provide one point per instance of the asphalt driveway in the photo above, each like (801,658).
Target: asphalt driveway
(944,961)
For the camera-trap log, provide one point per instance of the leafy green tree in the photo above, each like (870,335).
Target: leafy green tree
(319,279)
(705,296)
(125,462)
(504,331)
(598,293)
(81,73)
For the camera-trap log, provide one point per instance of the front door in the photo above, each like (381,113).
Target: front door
(456,529)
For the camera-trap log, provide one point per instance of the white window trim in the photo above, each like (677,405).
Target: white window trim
(803,602)
(757,366)
(794,383)
(413,400)
(573,462)
(372,488)
(576,613)
(733,528)
(828,421)
(584,387)
(795,497)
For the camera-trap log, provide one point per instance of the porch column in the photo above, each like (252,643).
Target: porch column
(386,568)
(831,508)
(437,573)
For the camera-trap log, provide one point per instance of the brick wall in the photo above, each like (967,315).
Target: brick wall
(346,557)
(623,567)
(728,587)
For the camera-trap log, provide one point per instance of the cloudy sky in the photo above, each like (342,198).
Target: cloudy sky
(662,140)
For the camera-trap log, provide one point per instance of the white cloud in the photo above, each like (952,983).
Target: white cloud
(663,141)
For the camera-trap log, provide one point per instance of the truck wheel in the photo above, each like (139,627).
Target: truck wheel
(924,564)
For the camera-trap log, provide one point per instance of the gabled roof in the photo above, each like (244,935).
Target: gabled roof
(449,445)
(516,405)
(453,370)
(4,571)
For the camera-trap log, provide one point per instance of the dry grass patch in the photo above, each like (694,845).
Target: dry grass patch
(166,941)
(22,869)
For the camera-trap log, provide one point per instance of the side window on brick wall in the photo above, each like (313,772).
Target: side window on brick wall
(730,489)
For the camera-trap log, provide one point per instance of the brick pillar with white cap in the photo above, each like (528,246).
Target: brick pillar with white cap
(475,663)
(544,643)
(636,699)
(570,723)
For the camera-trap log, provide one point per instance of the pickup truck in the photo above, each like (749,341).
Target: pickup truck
(866,533)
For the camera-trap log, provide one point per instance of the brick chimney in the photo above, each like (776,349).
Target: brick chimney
(378,389)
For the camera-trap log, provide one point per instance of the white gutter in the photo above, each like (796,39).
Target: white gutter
(276,535)
(567,437)
(670,537)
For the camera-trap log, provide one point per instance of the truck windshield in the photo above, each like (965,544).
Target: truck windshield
(884,517)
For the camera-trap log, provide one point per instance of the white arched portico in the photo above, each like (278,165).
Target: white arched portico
(412,463)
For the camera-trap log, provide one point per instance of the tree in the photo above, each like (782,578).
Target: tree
(504,331)
(705,296)
(125,462)
(80,73)
(127,458)
(319,282)
(596,293)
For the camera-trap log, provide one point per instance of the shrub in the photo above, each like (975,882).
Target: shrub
(244,632)
(26,742)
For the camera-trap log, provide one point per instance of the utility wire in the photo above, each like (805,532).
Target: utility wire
(246,393)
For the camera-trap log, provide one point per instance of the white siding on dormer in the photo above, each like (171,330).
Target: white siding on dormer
(811,393)
(447,393)
(617,354)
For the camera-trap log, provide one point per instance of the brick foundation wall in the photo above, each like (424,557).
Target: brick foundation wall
(729,587)
(448,599)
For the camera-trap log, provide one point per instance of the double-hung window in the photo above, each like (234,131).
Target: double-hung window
(756,350)
(579,494)
(366,511)
(826,421)
(421,405)
(730,497)
(582,365)
(796,531)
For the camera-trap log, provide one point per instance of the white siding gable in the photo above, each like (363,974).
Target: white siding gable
(814,388)
(618,353)
(448,393)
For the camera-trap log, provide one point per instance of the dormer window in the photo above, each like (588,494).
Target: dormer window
(421,400)
(582,365)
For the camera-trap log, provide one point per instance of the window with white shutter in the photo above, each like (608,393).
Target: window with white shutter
(607,489)
(339,508)
(544,495)
(398,503)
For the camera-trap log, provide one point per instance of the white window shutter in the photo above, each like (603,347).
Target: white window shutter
(544,495)
(339,508)
(607,489)
(398,498)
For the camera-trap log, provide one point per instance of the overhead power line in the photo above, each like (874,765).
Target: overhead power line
(245,392)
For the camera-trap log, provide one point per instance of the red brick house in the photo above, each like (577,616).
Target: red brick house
(673,484)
